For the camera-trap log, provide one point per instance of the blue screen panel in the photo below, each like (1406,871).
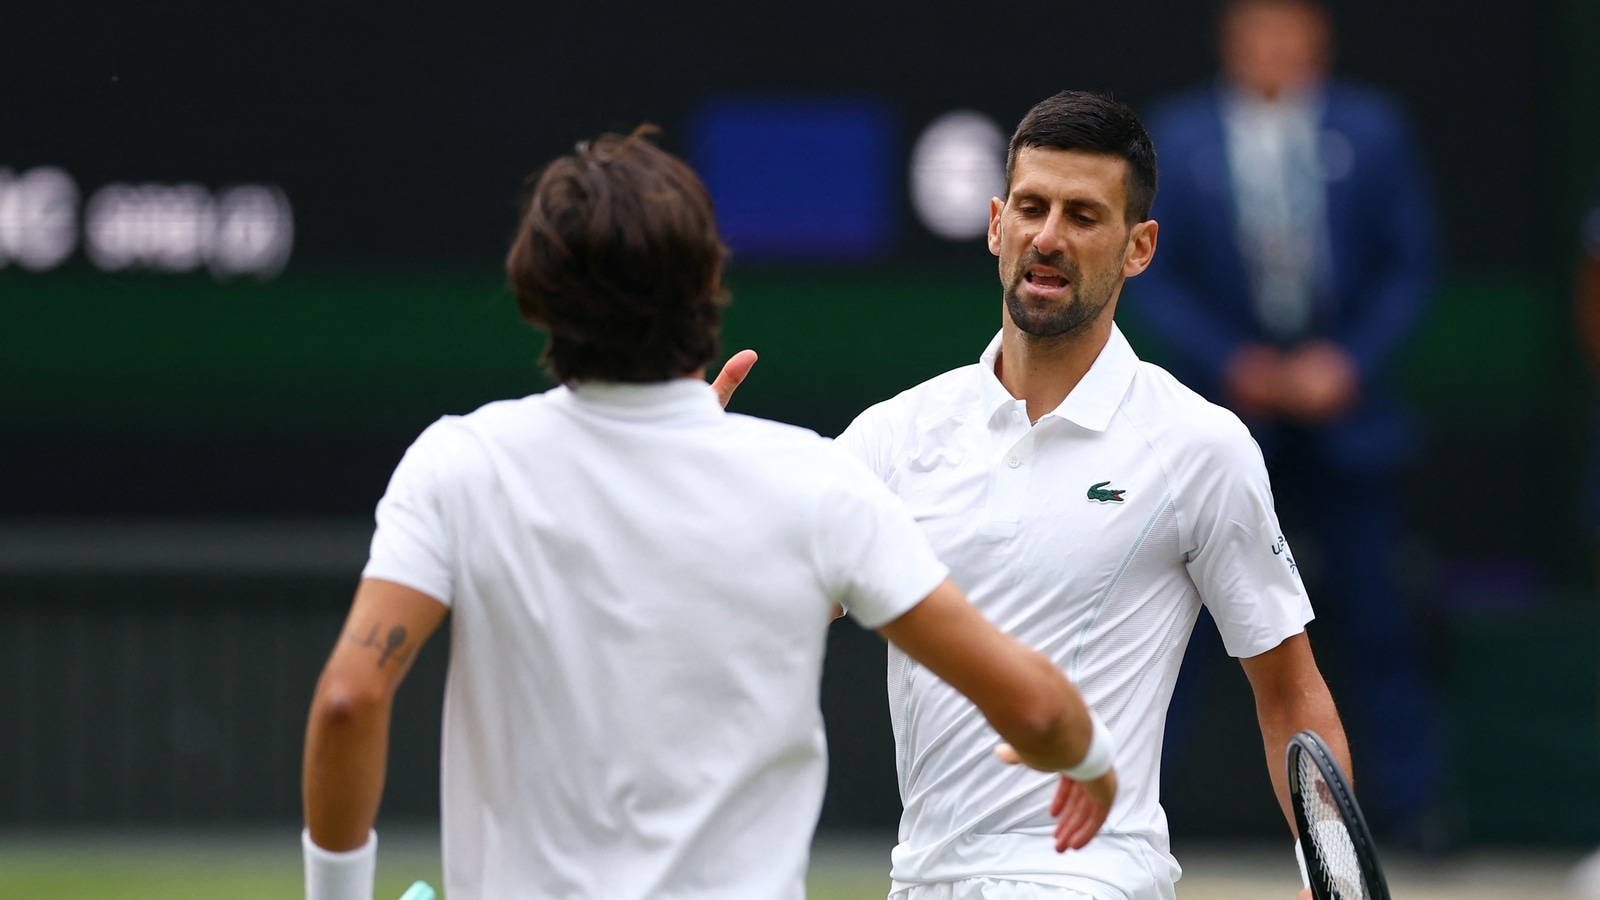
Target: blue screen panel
(799,180)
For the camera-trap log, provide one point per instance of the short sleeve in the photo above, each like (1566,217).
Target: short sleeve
(411,544)
(869,438)
(872,557)
(1239,561)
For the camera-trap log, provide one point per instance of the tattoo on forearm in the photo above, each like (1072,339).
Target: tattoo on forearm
(393,646)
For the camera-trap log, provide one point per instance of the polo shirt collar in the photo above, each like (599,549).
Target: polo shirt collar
(1094,400)
(673,398)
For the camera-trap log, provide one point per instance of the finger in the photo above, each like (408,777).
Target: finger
(1084,813)
(1070,818)
(1067,837)
(1007,754)
(1064,791)
(733,374)
(1072,833)
(1080,824)
(1079,834)
(1079,806)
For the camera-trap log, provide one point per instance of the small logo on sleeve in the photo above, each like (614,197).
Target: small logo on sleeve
(1281,548)
(1104,494)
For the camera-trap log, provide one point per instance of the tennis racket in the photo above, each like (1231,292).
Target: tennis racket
(1341,862)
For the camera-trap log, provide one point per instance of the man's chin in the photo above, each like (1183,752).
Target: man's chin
(1041,328)
(1048,324)
(1030,318)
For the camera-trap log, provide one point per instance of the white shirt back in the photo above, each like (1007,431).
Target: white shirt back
(1093,535)
(640,587)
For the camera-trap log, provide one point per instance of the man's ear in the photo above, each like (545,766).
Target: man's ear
(1141,247)
(996,206)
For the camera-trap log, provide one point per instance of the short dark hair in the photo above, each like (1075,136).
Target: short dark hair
(1083,120)
(619,259)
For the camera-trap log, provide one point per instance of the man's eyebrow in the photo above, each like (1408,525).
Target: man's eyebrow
(1078,202)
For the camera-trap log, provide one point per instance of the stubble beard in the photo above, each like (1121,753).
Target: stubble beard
(1088,299)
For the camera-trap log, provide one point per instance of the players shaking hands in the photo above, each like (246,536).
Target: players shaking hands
(1038,713)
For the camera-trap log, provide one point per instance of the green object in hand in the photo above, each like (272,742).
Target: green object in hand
(419,891)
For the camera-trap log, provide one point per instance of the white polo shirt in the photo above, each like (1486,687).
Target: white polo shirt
(641,587)
(1093,535)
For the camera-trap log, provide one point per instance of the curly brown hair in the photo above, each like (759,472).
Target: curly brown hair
(619,259)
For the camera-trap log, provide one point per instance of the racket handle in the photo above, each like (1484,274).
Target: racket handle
(419,891)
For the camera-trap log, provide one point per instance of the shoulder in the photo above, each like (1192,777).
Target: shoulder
(884,425)
(456,444)
(936,398)
(781,461)
(756,432)
(516,412)
(1184,428)
(789,456)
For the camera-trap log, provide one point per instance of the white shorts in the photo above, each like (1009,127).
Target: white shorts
(988,889)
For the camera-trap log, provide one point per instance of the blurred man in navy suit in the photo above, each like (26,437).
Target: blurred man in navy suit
(1297,254)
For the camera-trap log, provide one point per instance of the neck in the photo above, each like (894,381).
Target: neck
(1042,371)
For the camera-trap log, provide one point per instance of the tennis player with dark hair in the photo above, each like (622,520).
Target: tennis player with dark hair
(1090,504)
(641,586)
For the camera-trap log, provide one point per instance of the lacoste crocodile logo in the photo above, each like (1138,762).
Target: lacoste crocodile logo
(1104,495)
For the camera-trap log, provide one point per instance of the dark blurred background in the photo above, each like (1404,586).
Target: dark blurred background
(250,253)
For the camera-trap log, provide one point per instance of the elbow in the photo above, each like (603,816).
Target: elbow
(1047,736)
(1039,724)
(341,705)
(1045,718)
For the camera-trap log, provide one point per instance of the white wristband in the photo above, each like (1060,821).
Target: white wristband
(1300,857)
(340,876)
(1097,760)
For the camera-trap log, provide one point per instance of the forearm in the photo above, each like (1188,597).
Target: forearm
(346,752)
(1024,697)
(1282,717)
(1056,742)
(1290,697)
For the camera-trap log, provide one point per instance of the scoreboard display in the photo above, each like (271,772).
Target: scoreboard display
(226,229)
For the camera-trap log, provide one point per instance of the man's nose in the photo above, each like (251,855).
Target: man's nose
(1051,238)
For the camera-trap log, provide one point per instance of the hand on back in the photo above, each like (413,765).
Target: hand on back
(1079,807)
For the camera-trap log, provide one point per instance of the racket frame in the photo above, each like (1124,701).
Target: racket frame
(1309,744)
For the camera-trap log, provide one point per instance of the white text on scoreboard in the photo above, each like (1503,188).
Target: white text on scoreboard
(239,230)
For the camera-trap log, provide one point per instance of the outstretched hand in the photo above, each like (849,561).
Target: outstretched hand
(1079,807)
(732,375)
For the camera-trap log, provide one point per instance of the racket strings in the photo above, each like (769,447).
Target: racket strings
(1330,837)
